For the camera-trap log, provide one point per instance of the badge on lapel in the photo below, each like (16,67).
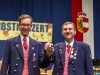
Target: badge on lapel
(32,48)
(17,45)
(34,58)
(73,53)
(61,50)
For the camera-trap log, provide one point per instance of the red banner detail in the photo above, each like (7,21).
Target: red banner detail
(85,19)
(76,8)
(85,29)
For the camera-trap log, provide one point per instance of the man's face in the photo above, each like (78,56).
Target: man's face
(25,26)
(68,31)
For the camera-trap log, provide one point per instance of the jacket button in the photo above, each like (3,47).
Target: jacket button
(33,60)
(14,71)
(16,64)
(73,69)
(72,62)
(57,73)
(17,58)
(59,67)
(33,66)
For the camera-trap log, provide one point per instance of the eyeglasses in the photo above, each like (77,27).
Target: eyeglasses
(28,25)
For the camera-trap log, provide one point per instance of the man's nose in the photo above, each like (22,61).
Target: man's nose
(25,26)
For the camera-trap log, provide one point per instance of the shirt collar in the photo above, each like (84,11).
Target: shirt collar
(23,37)
(71,44)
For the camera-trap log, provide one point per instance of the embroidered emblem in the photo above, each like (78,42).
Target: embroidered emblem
(17,45)
(32,48)
(73,53)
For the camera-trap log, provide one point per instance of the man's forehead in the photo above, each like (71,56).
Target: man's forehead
(68,25)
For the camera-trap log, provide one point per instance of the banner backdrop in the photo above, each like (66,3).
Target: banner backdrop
(40,31)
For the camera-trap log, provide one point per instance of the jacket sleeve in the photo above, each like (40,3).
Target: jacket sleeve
(88,61)
(6,58)
(43,58)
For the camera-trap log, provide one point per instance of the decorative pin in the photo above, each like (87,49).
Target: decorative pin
(76,51)
(72,49)
(71,52)
(61,52)
(34,58)
(34,54)
(71,56)
(74,57)
(17,45)
(32,48)
(60,49)
(75,54)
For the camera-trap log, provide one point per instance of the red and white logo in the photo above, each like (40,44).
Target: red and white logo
(82,22)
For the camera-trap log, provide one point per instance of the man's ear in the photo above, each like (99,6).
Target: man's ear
(75,32)
(31,28)
(18,25)
(31,25)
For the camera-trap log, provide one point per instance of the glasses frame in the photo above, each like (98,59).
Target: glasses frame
(25,25)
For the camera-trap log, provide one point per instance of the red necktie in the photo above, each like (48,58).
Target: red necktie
(68,48)
(25,43)
(67,51)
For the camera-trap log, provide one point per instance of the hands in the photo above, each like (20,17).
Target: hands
(49,48)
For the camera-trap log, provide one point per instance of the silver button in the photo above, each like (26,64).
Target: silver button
(14,70)
(72,62)
(57,73)
(16,64)
(33,66)
(73,69)
(33,60)
(17,58)
(59,67)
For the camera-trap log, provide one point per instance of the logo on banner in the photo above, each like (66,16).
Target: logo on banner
(82,22)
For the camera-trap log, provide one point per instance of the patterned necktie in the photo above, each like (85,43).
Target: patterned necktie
(68,48)
(67,51)
(25,43)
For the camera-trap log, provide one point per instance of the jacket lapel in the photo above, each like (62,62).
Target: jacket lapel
(62,48)
(18,45)
(32,47)
(72,56)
